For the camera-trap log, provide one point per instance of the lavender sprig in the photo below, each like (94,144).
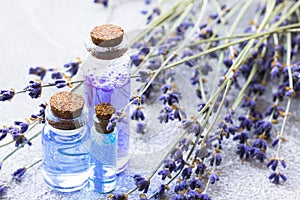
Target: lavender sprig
(273,162)
(61,78)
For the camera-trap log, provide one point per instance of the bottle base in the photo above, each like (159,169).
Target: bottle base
(66,182)
(103,186)
(122,164)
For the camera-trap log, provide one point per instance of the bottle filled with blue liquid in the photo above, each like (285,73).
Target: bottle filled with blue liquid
(106,71)
(65,142)
(103,150)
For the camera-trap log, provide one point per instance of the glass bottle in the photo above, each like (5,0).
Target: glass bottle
(106,71)
(65,140)
(103,150)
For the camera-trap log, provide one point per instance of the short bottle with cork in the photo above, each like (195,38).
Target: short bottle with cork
(65,142)
(103,150)
(106,71)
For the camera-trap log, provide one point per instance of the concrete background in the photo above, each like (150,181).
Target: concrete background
(51,33)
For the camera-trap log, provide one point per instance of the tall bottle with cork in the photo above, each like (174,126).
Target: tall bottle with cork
(106,71)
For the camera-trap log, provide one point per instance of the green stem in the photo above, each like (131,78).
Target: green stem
(48,85)
(212,123)
(245,87)
(289,41)
(33,164)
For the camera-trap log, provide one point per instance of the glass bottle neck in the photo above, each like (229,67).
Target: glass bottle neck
(65,124)
(105,53)
(101,125)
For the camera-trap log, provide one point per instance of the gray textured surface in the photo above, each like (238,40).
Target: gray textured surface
(44,32)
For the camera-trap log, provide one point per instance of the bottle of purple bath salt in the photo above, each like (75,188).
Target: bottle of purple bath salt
(106,71)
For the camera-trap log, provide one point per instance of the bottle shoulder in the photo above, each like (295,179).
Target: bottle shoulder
(101,138)
(53,135)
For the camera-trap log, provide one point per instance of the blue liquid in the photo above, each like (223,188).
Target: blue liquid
(66,161)
(103,160)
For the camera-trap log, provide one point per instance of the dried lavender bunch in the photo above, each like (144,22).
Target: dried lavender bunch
(250,64)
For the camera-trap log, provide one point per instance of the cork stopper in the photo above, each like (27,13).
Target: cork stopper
(66,107)
(104,111)
(107,35)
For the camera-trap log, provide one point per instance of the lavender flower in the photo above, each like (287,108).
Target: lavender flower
(195,183)
(262,126)
(178,113)
(103,2)
(170,165)
(276,176)
(35,89)
(204,196)
(161,191)
(179,197)
(20,139)
(260,143)
(192,194)
(56,75)
(243,151)
(186,173)
(273,163)
(141,183)
(141,128)
(245,122)
(275,110)
(6,95)
(213,178)
(217,157)
(23,126)
(19,173)
(164,174)
(139,57)
(72,67)
(282,162)
(137,114)
(39,71)
(191,126)
(155,11)
(176,154)
(180,186)
(59,83)
(184,26)
(165,114)
(184,143)
(170,98)
(3,132)
(200,169)
(257,153)
(274,142)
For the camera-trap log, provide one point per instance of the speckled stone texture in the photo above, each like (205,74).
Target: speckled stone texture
(53,33)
